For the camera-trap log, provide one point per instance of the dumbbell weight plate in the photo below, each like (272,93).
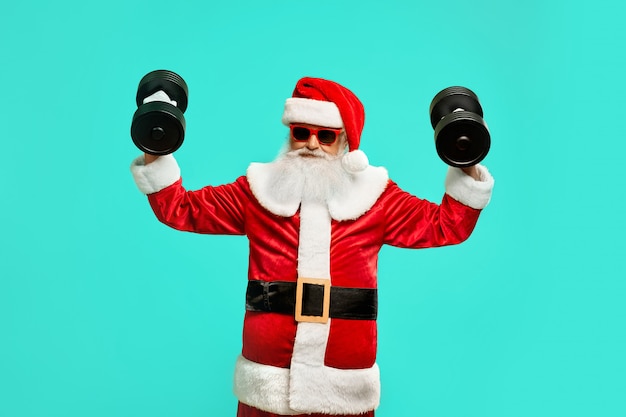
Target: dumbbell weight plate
(168,81)
(462,139)
(451,99)
(158,128)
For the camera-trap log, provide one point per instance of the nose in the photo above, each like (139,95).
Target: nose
(312,143)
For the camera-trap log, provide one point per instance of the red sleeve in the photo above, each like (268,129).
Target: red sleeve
(412,222)
(210,210)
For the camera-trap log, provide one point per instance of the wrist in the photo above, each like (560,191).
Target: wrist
(148,158)
(472,172)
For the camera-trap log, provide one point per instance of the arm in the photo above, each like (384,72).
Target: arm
(416,223)
(213,210)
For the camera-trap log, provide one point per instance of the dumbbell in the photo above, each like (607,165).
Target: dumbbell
(158,127)
(462,138)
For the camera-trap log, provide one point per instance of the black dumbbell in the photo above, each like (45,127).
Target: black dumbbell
(462,138)
(158,127)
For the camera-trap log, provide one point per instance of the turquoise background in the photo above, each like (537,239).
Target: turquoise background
(106,312)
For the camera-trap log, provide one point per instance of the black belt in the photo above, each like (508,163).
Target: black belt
(280,297)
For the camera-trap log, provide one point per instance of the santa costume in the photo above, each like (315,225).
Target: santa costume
(309,332)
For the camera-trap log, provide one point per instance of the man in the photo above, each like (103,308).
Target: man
(316,219)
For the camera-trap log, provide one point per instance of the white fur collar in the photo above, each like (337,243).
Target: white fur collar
(364,189)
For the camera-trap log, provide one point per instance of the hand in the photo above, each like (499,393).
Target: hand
(160,96)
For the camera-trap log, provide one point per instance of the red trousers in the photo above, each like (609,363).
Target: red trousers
(247,411)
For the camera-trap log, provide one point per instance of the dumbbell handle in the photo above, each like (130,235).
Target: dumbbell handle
(158,96)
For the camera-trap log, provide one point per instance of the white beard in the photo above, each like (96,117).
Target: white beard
(292,178)
(310,175)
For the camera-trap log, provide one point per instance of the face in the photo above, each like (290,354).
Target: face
(313,142)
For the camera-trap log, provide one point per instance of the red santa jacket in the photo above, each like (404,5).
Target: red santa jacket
(288,367)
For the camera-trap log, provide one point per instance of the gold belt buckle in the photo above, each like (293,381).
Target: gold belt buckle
(325,304)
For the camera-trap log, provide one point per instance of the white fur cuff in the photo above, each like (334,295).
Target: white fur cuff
(467,190)
(155,176)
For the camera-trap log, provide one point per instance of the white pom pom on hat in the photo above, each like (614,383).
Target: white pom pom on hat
(355,161)
(322,102)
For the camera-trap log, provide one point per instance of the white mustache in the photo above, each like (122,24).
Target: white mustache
(306,152)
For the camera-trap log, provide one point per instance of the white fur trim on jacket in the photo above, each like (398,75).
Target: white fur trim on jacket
(467,190)
(358,197)
(341,391)
(308,386)
(155,176)
(367,186)
(313,112)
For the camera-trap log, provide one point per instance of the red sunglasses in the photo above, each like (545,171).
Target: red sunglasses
(325,135)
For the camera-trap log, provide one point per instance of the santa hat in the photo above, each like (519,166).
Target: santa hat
(325,103)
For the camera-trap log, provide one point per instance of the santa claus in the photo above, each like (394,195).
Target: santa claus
(316,218)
